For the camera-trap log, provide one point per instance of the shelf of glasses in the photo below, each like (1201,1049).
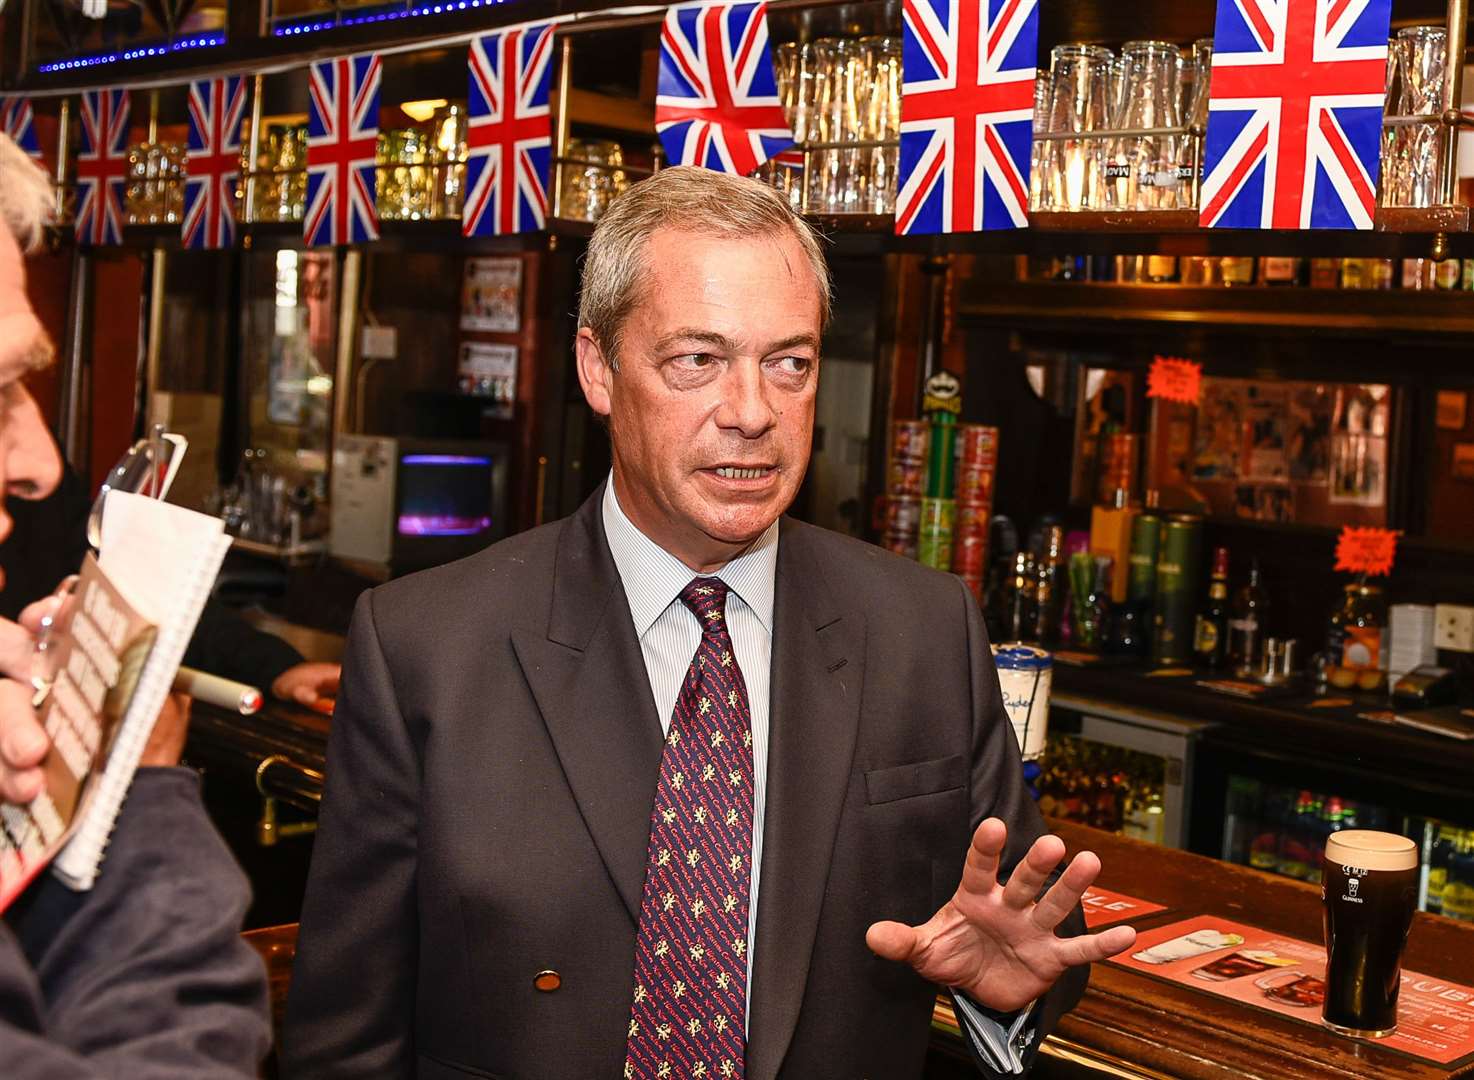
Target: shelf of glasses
(1391,219)
(1049,305)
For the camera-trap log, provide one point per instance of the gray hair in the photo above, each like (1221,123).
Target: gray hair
(688,199)
(26,198)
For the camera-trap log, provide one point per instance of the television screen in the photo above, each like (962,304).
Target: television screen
(445,494)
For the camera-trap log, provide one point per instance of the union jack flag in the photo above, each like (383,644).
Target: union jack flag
(1295,114)
(718,103)
(509,137)
(18,120)
(342,130)
(967,115)
(216,107)
(102,166)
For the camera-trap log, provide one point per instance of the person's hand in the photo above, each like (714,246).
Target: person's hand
(993,942)
(307,683)
(23,742)
(166,741)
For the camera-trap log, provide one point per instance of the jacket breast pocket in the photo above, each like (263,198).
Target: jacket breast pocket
(919,778)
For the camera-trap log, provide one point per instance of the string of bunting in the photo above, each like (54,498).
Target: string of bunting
(965,137)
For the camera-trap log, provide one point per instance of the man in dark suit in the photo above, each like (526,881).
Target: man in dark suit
(587,788)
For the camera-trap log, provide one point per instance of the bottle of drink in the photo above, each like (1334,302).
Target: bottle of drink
(1274,271)
(1019,599)
(1246,625)
(1050,587)
(1210,637)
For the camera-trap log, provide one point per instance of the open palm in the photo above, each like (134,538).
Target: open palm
(992,941)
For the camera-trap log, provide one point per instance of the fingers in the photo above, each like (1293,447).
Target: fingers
(17,651)
(892,941)
(1067,890)
(980,874)
(1093,948)
(23,744)
(1033,871)
(39,615)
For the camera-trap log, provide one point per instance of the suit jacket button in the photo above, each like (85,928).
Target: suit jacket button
(547,981)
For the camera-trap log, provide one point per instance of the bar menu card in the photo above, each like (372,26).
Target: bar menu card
(1103,907)
(1435,1017)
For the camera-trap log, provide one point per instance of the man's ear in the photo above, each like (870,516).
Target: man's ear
(595,373)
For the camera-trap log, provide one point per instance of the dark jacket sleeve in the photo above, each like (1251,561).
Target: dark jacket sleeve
(146,974)
(998,790)
(351,1010)
(225,644)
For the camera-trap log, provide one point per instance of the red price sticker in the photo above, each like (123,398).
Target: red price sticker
(1366,551)
(1173,379)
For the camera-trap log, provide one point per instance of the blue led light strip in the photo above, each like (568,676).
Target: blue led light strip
(196,41)
(379,14)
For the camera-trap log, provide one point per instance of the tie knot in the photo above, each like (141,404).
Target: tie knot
(707,599)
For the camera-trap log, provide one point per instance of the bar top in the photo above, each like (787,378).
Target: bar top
(1156,1028)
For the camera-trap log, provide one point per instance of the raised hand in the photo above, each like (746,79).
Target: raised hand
(994,942)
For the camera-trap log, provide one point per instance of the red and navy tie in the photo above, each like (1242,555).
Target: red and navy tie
(688,1016)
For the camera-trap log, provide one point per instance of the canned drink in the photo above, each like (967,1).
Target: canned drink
(1024,675)
(1178,550)
(974,586)
(941,464)
(977,444)
(1142,581)
(908,477)
(973,519)
(909,439)
(969,555)
(934,545)
(902,515)
(974,484)
(901,543)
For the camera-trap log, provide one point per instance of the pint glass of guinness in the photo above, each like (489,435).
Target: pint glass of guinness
(1369,884)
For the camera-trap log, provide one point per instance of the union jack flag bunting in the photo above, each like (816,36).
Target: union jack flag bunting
(718,103)
(102,166)
(967,115)
(18,120)
(509,137)
(1295,114)
(216,107)
(342,129)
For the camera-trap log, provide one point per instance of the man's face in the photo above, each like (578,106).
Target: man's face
(711,412)
(29,466)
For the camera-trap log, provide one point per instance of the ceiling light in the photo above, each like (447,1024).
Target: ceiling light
(422,110)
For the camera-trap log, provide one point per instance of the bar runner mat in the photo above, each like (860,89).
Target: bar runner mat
(1285,976)
(1103,907)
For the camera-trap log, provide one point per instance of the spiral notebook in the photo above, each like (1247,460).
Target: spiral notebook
(163,559)
(113,658)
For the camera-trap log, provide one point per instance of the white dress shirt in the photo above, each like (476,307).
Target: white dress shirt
(669,636)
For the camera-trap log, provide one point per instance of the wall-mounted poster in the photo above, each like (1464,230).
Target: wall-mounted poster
(491,295)
(489,371)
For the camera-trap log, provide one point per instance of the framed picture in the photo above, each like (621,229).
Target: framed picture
(489,371)
(491,295)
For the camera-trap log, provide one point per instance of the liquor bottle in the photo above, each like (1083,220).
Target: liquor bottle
(1382,272)
(1050,587)
(1281,271)
(1210,638)
(1417,273)
(1236,269)
(1019,600)
(1246,626)
(1161,268)
(1447,274)
(1354,274)
(1325,273)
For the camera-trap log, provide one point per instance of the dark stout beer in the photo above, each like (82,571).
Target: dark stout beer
(1369,885)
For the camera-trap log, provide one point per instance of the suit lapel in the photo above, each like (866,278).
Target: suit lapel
(588,678)
(818,665)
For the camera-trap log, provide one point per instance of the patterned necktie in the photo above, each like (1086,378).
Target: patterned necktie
(688,1017)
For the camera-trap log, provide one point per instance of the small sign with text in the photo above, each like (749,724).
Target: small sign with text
(1366,550)
(1175,379)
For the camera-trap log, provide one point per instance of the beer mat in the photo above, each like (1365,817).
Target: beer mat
(1449,721)
(1285,976)
(1080,658)
(1330,703)
(1103,907)
(1242,688)
(1169,673)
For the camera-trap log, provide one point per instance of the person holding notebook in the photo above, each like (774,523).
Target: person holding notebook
(146,974)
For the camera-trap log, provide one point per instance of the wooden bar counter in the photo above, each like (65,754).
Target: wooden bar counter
(1132,1025)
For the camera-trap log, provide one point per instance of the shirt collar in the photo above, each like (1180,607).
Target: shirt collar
(653,577)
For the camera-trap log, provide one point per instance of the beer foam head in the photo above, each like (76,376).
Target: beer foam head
(1368,850)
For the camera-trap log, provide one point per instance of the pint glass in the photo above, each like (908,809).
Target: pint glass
(1369,885)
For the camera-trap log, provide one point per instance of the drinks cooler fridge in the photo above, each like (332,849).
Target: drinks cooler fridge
(1273,811)
(1120,769)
